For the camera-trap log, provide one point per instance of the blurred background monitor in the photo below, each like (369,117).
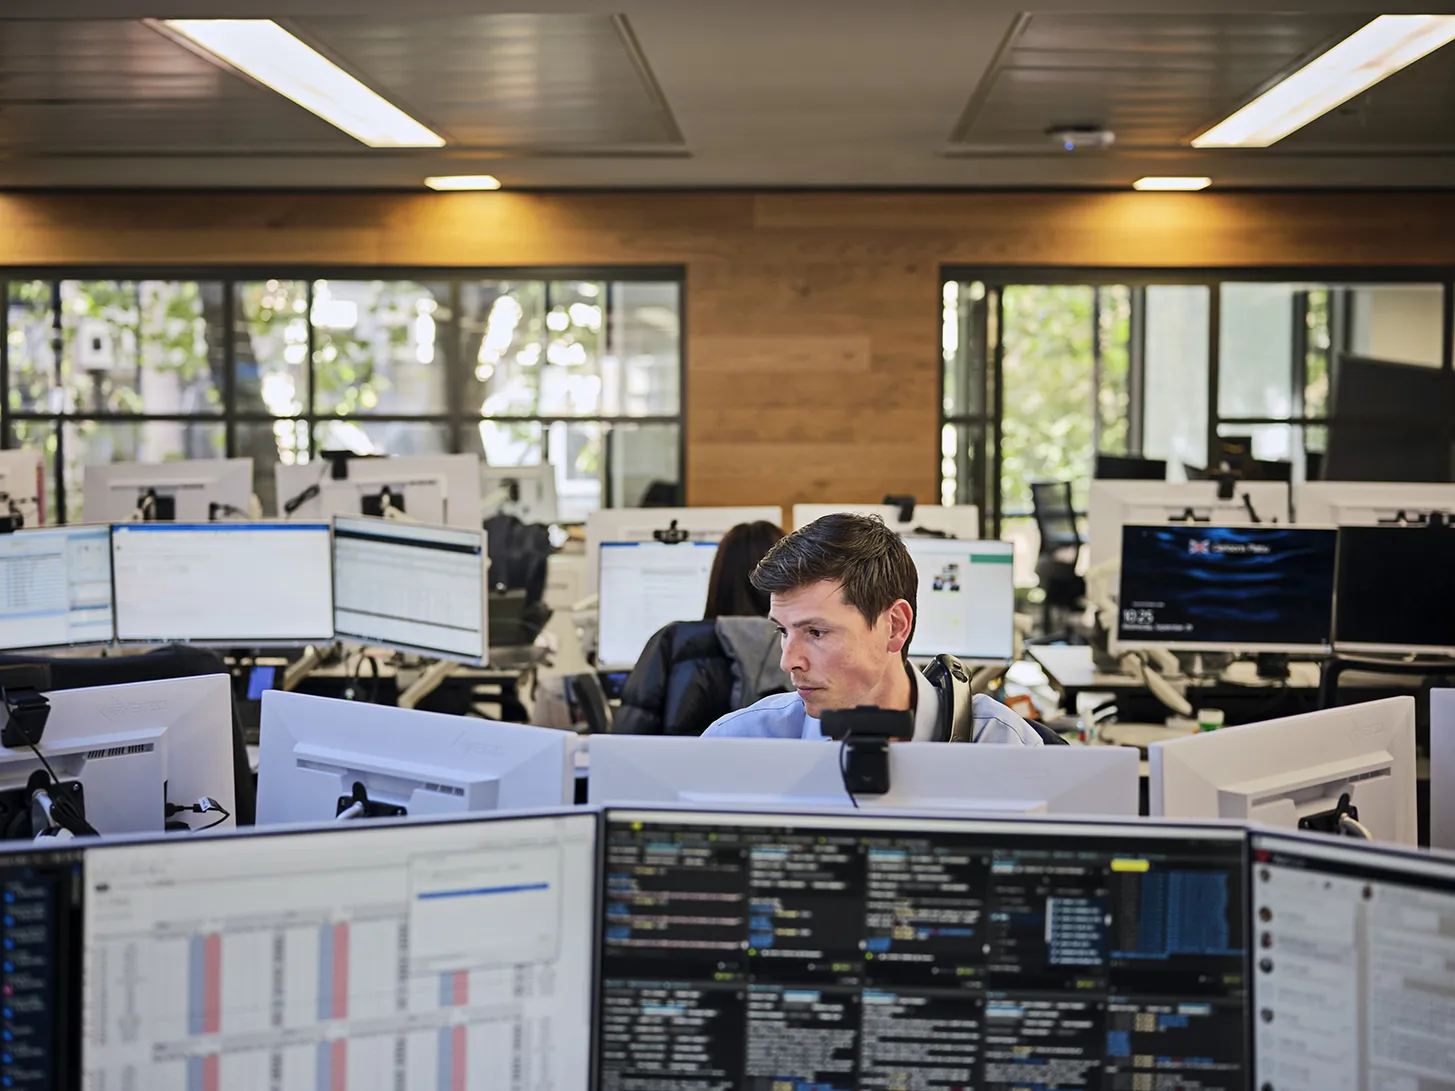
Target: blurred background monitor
(1389,422)
(1126,468)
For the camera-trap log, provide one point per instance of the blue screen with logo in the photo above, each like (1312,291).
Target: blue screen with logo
(1241,586)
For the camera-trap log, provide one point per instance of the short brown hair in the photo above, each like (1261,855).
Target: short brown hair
(860,553)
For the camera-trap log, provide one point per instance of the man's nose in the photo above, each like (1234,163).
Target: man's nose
(792,658)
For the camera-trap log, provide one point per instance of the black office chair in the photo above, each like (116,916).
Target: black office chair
(1060,549)
(176,661)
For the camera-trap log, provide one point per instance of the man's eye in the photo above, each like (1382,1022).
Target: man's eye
(817,634)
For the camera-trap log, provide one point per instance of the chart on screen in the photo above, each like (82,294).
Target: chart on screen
(445,957)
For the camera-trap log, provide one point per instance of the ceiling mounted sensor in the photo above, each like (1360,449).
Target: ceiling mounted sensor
(1378,49)
(265,52)
(453,183)
(1153,183)
(1076,138)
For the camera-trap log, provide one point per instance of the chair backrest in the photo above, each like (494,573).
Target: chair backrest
(1055,515)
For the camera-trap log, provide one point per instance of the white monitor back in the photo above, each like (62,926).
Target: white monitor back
(957,520)
(110,492)
(1280,771)
(534,488)
(22,485)
(313,750)
(939,776)
(1369,503)
(125,742)
(438,489)
(1442,769)
(639,524)
(1115,504)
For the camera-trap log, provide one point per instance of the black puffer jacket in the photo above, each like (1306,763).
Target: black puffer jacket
(694,672)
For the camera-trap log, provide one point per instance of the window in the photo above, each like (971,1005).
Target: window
(582,373)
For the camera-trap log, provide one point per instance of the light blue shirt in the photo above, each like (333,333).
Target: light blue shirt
(782,716)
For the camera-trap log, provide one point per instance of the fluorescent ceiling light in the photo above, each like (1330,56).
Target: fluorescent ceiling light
(1378,49)
(463,181)
(1172,183)
(260,48)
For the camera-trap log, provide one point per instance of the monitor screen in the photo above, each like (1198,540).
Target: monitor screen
(412,587)
(1390,580)
(966,602)
(814,951)
(40,975)
(443,955)
(55,587)
(220,583)
(1256,587)
(1354,978)
(644,586)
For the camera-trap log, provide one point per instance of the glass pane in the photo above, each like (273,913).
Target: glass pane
(503,327)
(381,346)
(509,443)
(1174,392)
(959,465)
(570,384)
(1048,370)
(40,435)
(963,348)
(578,453)
(1399,322)
(1316,356)
(1113,395)
(641,373)
(267,444)
(92,443)
(29,334)
(366,437)
(1255,350)
(150,346)
(644,465)
(270,340)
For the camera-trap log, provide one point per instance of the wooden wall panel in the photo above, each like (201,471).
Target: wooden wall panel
(812,319)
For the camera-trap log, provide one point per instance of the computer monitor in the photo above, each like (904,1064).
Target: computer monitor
(966,604)
(412,587)
(1099,780)
(955,521)
(642,524)
(134,748)
(1364,503)
(22,486)
(1354,965)
(315,749)
(645,585)
(1442,769)
(1293,772)
(1126,468)
(443,490)
(1115,504)
(55,587)
(40,975)
(526,492)
(818,951)
(419,955)
(1241,589)
(1388,421)
(195,491)
(222,583)
(1395,589)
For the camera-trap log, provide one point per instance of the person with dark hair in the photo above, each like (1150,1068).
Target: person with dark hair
(693,672)
(842,595)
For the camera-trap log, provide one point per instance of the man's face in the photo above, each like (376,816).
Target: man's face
(836,658)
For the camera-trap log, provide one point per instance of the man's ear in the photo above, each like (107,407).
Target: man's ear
(901,621)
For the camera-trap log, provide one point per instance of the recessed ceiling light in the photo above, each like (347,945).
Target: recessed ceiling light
(463,181)
(260,48)
(1173,183)
(1378,49)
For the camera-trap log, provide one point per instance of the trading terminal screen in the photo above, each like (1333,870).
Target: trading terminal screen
(1239,586)
(1354,985)
(40,973)
(767,953)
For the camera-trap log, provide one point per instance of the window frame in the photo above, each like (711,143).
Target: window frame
(456,420)
(997,278)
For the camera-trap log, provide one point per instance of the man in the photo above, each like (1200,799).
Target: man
(842,593)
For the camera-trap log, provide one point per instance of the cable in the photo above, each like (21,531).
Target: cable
(1352,827)
(844,769)
(225,816)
